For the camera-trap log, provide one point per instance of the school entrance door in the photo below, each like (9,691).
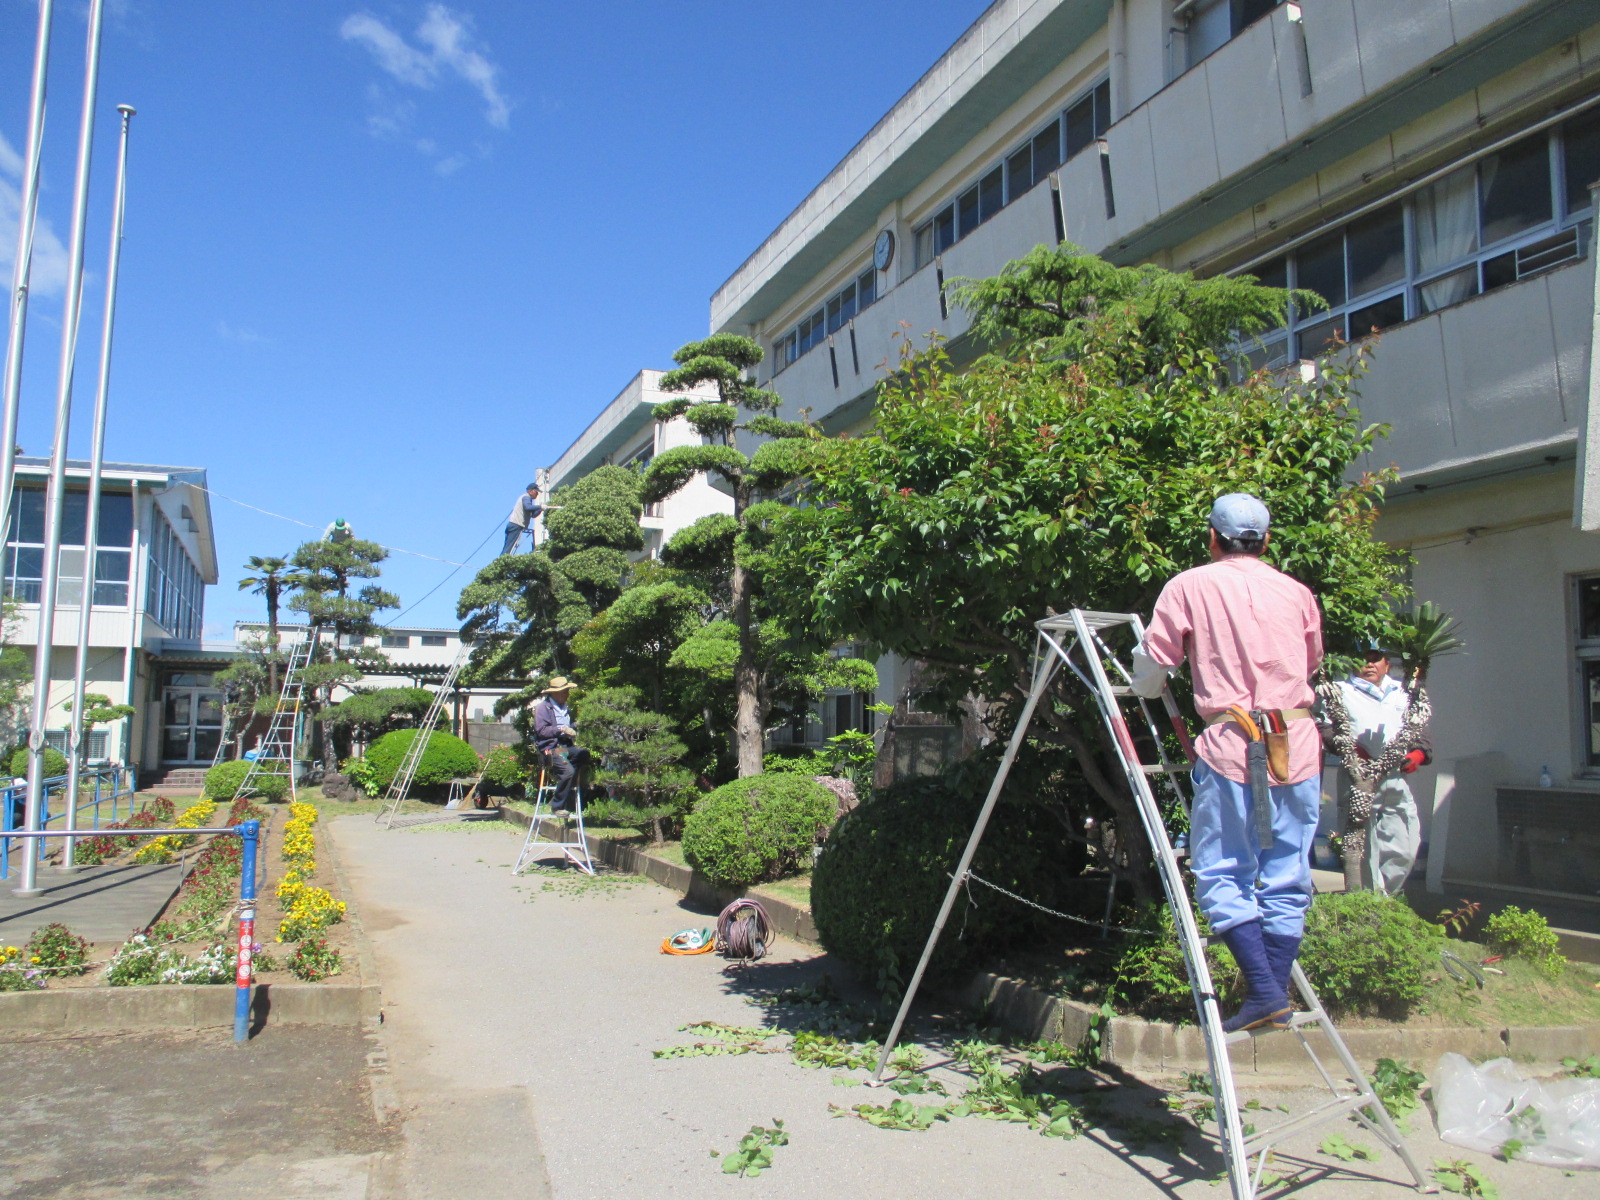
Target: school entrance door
(191,719)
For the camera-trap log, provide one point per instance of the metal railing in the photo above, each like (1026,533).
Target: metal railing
(105,786)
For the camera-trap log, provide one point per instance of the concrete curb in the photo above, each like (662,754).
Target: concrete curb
(788,918)
(1145,1047)
(354,1000)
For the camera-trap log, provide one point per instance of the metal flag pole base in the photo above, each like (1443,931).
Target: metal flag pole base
(1074,641)
(536,845)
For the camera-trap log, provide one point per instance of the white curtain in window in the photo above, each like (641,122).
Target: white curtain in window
(1447,231)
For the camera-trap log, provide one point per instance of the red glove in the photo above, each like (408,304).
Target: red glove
(1412,761)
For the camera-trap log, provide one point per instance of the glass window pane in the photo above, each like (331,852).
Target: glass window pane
(1591,688)
(111,565)
(178,707)
(29,563)
(835,314)
(74,514)
(30,515)
(110,595)
(1375,318)
(1047,150)
(1446,220)
(1448,289)
(944,230)
(1080,126)
(1321,338)
(967,212)
(116,520)
(1589,608)
(866,289)
(1499,271)
(1273,273)
(1515,188)
(1210,26)
(1248,12)
(1376,245)
(1580,139)
(1102,107)
(1320,267)
(175,744)
(1019,171)
(922,246)
(991,194)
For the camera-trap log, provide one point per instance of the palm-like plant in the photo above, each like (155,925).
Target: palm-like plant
(1419,638)
(271,578)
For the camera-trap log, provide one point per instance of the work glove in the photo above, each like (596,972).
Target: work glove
(1412,761)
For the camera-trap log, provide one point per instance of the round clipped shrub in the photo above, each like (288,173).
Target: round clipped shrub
(447,757)
(55,762)
(222,782)
(1368,953)
(1512,931)
(756,828)
(884,869)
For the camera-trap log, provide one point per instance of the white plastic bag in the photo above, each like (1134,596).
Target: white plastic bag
(1556,1122)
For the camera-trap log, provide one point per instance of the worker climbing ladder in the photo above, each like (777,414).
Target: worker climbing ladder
(275,753)
(1078,640)
(400,786)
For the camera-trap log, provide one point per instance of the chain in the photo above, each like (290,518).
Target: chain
(976,878)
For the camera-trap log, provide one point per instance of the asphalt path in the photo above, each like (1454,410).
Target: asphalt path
(520,1015)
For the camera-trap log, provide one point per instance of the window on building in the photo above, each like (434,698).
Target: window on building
(94,742)
(1212,24)
(1587,649)
(836,312)
(1087,118)
(1508,216)
(113,539)
(174,594)
(396,641)
(434,639)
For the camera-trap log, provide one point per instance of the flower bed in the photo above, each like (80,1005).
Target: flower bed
(307,910)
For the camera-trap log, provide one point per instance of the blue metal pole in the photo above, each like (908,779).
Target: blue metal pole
(250,831)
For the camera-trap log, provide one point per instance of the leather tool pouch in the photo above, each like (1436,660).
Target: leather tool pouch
(1275,732)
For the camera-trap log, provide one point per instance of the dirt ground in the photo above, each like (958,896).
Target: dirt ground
(190,1114)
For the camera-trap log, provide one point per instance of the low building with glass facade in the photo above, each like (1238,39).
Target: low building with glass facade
(154,554)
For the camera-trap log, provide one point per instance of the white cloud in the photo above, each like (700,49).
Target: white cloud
(48,275)
(245,337)
(446,47)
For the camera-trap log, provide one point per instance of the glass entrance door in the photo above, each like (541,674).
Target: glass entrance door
(191,720)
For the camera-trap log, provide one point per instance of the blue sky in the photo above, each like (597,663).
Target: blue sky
(383,261)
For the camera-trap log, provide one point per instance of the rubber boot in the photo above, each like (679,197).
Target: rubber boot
(1282,949)
(1265,1001)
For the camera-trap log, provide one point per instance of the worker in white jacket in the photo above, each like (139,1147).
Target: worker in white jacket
(1377,705)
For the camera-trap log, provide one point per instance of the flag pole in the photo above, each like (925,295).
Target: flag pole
(55,492)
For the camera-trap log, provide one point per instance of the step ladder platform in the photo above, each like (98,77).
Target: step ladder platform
(1063,622)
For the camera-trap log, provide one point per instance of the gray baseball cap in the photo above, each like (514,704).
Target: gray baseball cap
(1239,515)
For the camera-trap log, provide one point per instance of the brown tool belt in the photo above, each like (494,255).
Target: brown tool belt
(1288,714)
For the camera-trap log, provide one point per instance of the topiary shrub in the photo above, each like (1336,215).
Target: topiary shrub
(756,828)
(1523,934)
(55,762)
(447,757)
(1368,953)
(222,782)
(884,869)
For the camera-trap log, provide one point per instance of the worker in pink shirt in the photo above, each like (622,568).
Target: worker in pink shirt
(1253,640)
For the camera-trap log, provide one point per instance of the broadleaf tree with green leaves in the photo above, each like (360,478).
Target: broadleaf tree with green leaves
(1074,466)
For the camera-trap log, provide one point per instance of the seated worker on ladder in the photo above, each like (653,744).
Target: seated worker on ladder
(1253,638)
(553,734)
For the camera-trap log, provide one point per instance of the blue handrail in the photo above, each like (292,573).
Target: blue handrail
(106,785)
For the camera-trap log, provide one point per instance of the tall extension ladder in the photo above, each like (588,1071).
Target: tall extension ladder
(1075,640)
(406,773)
(275,754)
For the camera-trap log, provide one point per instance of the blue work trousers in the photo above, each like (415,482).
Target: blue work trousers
(1234,879)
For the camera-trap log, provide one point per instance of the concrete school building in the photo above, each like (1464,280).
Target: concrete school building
(627,434)
(1424,165)
(155,553)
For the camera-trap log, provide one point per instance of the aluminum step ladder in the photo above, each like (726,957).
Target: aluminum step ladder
(275,753)
(1077,640)
(400,786)
(536,845)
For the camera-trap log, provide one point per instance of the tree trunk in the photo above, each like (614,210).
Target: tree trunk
(746,680)
(272,641)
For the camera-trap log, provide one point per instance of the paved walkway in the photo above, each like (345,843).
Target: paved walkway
(519,1024)
(103,904)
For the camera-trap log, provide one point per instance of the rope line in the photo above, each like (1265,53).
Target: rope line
(293,521)
(976,878)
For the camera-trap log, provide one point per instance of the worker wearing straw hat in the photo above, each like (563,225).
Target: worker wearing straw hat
(555,734)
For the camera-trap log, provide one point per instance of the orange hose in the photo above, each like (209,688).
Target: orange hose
(668,948)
